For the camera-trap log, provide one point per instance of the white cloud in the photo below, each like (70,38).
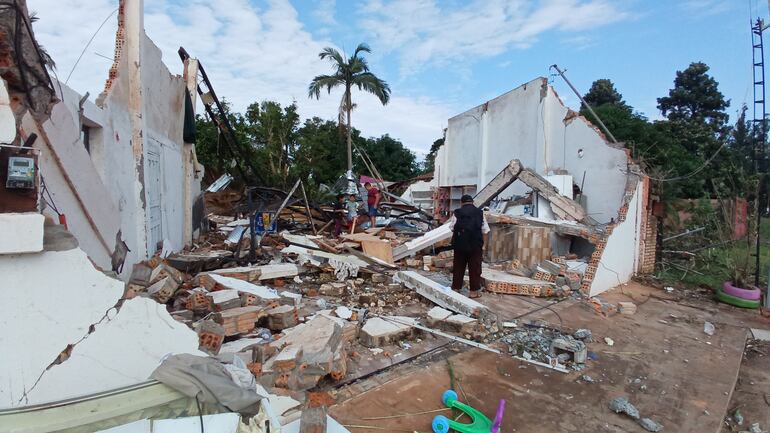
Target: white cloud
(425,33)
(250,54)
(325,11)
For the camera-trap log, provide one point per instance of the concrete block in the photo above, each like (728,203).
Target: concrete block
(289,298)
(380,278)
(333,289)
(282,317)
(627,308)
(437,315)
(575,348)
(162,271)
(163,290)
(22,232)
(210,336)
(224,299)
(461,324)
(140,274)
(378,332)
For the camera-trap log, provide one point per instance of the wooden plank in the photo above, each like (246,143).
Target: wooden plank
(378,249)
(360,237)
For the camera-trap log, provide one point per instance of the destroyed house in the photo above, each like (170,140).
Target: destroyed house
(118,172)
(532,125)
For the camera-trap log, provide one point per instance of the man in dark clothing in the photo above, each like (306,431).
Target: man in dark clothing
(469,232)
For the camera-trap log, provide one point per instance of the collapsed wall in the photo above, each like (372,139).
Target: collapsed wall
(67,331)
(532,124)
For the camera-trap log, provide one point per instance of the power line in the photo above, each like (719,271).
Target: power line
(692,173)
(88,44)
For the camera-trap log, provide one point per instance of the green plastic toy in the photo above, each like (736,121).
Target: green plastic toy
(479,422)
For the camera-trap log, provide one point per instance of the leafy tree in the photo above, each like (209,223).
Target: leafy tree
(695,97)
(697,124)
(603,92)
(390,157)
(349,73)
(430,158)
(273,130)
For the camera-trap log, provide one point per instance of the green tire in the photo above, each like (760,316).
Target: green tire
(735,301)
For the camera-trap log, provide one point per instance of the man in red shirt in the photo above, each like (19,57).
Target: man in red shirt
(373,201)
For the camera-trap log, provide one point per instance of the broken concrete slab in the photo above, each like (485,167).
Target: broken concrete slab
(278,270)
(436,315)
(379,331)
(225,299)
(246,273)
(319,337)
(262,292)
(445,297)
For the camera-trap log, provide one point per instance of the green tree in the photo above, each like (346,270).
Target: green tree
(390,157)
(695,97)
(603,92)
(273,130)
(349,73)
(696,122)
(430,158)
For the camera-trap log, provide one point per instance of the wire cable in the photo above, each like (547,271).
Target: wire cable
(88,44)
(692,173)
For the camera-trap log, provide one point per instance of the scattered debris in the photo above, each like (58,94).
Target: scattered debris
(609,341)
(622,405)
(709,328)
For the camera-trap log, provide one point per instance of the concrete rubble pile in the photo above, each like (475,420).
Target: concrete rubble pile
(549,346)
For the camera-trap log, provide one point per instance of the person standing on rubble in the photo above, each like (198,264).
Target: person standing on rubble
(469,236)
(352,208)
(339,214)
(373,201)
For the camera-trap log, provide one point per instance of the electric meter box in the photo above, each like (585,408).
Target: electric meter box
(21,172)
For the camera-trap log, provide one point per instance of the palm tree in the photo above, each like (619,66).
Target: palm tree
(349,73)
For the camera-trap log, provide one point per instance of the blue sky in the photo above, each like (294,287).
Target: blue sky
(440,57)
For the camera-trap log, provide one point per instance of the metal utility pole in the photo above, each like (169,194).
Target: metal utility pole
(760,117)
(218,115)
(585,104)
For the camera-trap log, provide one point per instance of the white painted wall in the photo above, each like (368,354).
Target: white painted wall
(21,233)
(621,255)
(528,123)
(50,300)
(106,190)
(75,185)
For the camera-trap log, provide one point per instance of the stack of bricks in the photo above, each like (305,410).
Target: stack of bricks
(239,320)
(544,276)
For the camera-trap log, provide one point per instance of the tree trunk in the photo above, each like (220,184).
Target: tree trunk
(350,139)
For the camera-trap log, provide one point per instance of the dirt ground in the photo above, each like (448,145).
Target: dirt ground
(662,360)
(751,397)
